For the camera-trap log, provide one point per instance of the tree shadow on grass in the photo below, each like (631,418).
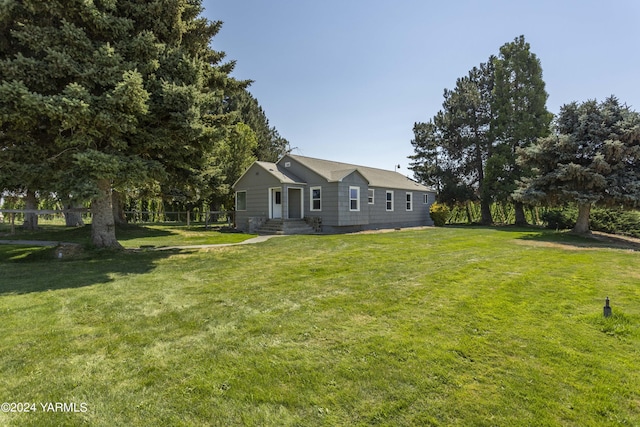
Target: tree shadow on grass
(568,240)
(82,234)
(26,269)
(135,231)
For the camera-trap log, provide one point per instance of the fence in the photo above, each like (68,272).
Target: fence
(19,214)
(209,218)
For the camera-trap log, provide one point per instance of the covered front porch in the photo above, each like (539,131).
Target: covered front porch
(286,202)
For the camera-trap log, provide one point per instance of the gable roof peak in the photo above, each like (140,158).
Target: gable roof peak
(335,171)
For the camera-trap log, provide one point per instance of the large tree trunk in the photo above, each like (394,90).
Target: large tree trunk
(72,219)
(118,208)
(30,219)
(521,219)
(103,228)
(485,213)
(582,224)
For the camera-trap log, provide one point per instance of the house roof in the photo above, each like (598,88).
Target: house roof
(280,173)
(336,171)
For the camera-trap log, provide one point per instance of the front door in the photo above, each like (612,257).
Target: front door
(295,203)
(276,203)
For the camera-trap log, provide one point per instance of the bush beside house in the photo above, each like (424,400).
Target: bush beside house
(439,214)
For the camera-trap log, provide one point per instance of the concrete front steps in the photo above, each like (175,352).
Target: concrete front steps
(285,226)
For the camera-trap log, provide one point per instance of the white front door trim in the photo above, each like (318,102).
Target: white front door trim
(275,203)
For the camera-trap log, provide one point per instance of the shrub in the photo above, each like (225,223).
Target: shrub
(616,221)
(560,218)
(439,214)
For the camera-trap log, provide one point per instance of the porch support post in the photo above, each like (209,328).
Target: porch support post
(285,202)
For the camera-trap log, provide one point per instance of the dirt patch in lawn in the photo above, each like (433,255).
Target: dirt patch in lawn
(596,240)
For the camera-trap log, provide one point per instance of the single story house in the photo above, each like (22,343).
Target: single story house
(332,197)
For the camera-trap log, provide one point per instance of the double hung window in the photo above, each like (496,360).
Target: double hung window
(354,198)
(316,198)
(241,201)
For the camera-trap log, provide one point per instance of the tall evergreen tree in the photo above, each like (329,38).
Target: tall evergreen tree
(520,116)
(433,165)
(27,157)
(270,145)
(235,156)
(123,93)
(498,108)
(459,137)
(592,158)
(427,163)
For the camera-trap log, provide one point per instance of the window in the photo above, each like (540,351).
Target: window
(409,201)
(371,196)
(354,198)
(425,199)
(316,198)
(241,201)
(389,200)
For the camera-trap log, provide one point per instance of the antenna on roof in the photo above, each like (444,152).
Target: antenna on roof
(290,150)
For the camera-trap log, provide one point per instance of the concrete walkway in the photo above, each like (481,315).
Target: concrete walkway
(251,241)
(51,243)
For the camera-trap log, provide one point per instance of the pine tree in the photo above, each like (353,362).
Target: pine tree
(592,158)
(270,145)
(26,153)
(116,94)
(464,126)
(498,108)
(427,162)
(520,116)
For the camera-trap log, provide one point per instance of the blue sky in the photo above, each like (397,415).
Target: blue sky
(346,80)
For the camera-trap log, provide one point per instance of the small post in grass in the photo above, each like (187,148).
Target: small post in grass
(607,308)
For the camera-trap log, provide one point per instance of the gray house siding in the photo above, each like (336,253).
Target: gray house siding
(335,210)
(346,216)
(329,202)
(296,177)
(377,215)
(332,197)
(400,216)
(292,165)
(257,183)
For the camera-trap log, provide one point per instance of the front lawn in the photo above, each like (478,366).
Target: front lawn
(445,326)
(133,236)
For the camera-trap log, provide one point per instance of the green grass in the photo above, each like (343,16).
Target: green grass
(134,236)
(445,327)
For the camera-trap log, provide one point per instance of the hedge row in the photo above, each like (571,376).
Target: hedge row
(616,221)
